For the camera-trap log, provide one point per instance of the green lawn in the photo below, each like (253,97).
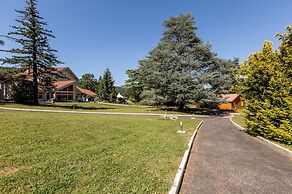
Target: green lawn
(238,119)
(48,153)
(91,107)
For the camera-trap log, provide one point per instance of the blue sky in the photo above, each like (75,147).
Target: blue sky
(92,35)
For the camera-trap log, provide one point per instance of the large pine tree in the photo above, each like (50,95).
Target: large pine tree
(182,68)
(35,53)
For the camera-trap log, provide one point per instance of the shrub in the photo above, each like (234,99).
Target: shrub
(265,83)
(23,92)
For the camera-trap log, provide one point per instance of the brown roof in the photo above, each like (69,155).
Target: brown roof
(87,92)
(230,97)
(28,71)
(61,69)
(61,84)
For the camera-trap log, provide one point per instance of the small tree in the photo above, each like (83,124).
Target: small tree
(23,91)
(99,89)
(88,82)
(35,53)
(1,42)
(134,87)
(265,83)
(108,88)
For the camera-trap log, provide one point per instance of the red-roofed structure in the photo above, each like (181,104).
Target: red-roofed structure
(233,102)
(65,87)
(87,92)
(230,97)
(62,84)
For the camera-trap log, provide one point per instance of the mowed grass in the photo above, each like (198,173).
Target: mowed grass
(238,119)
(62,153)
(92,107)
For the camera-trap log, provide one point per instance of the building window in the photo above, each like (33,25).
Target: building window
(65,75)
(69,88)
(64,97)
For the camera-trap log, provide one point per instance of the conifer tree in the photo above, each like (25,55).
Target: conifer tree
(35,53)
(108,89)
(99,89)
(1,42)
(182,69)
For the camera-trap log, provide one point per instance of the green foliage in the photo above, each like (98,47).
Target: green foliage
(106,90)
(8,72)
(182,69)
(1,42)
(99,89)
(23,91)
(35,53)
(149,97)
(120,89)
(88,82)
(265,83)
(134,87)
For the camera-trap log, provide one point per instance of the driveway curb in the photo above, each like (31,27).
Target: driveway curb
(280,147)
(180,173)
(241,128)
(264,139)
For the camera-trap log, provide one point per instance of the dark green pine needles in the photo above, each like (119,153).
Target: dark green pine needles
(34,53)
(182,69)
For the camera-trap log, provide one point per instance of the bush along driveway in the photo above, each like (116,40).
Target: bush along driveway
(225,159)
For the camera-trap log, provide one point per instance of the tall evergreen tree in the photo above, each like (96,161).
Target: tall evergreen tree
(182,69)
(88,82)
(35,53)
(1,42)
(99,89)
(108,88)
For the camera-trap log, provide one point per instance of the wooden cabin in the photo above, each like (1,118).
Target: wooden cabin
(233,102)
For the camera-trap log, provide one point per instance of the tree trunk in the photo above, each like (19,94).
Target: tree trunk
(181,106)
(35,70)
(35,83)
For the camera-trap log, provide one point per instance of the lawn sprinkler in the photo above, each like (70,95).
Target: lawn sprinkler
(181,129)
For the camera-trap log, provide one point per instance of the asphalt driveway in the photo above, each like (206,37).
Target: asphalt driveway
(227,160)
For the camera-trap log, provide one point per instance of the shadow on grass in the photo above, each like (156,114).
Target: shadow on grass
(199,111)
(71,107)
(75,107)
(196,111)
